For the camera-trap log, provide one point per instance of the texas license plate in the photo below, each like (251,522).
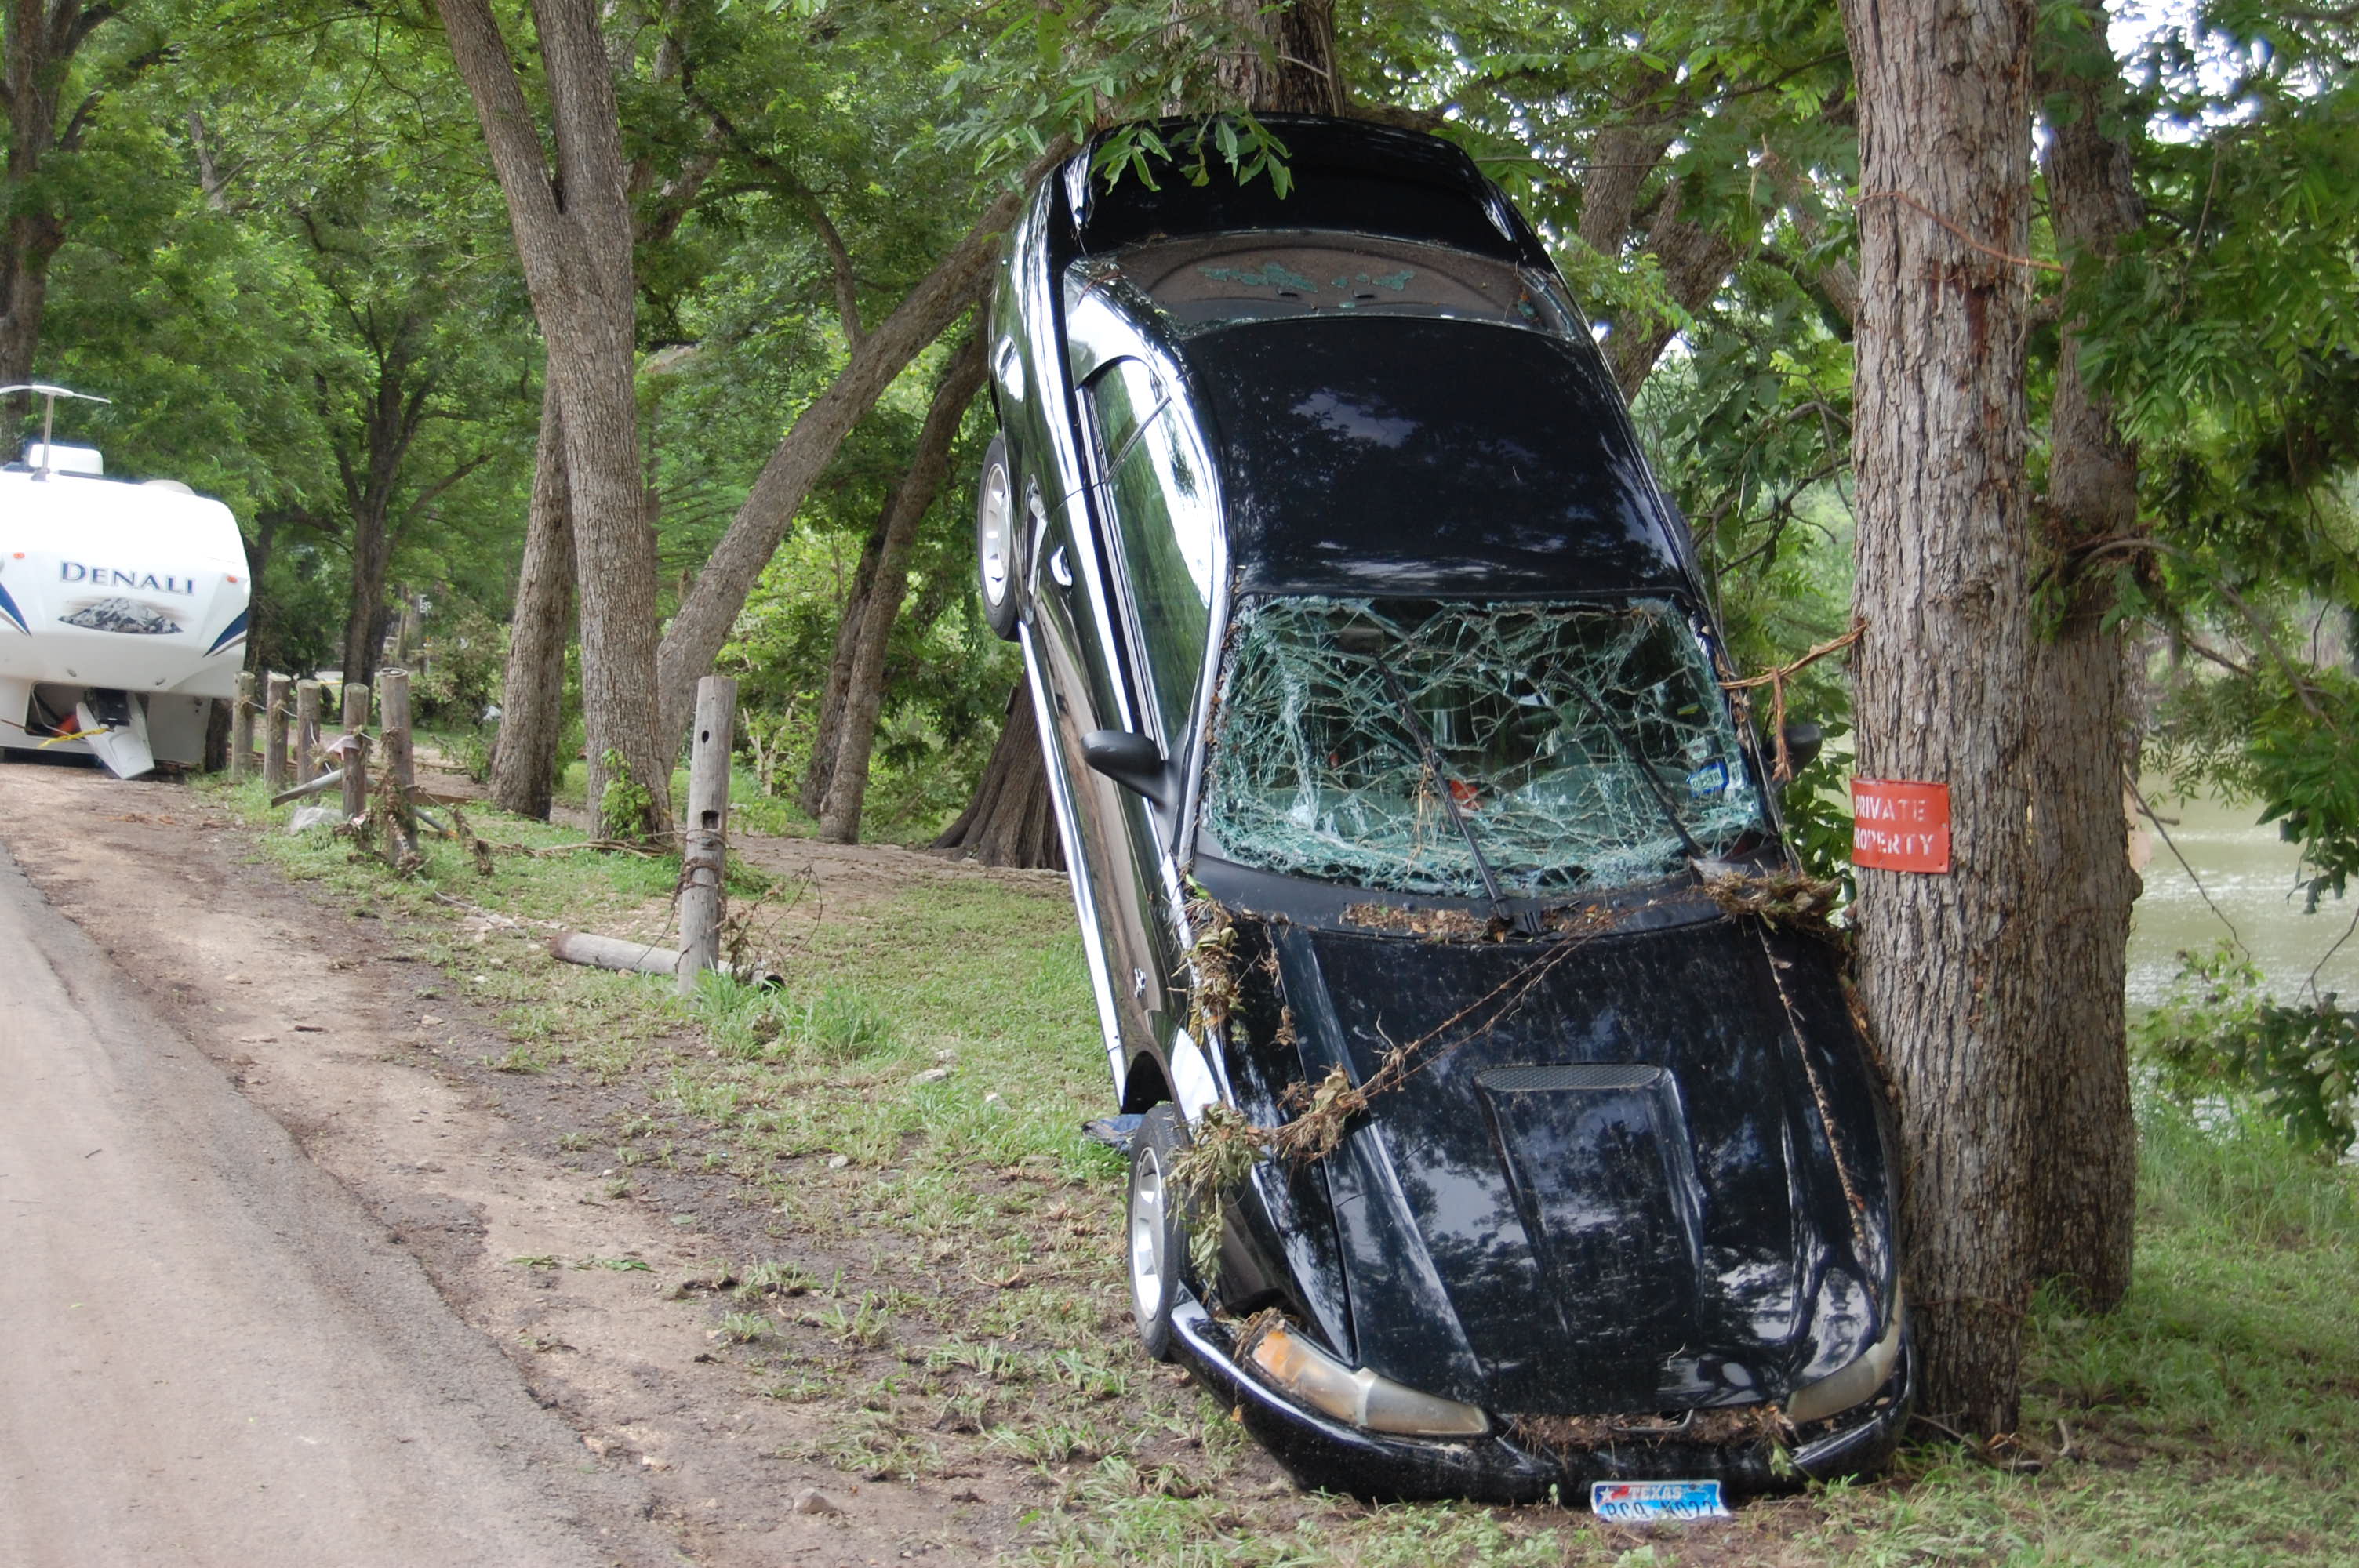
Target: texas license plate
(1647,1502)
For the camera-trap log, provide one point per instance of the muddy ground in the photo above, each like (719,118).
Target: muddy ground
(329,1019)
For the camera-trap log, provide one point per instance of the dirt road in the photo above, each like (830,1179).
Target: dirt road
(213,1354)
(361,1166)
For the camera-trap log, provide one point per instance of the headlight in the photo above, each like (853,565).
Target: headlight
(1838,1391)
(1362,1398)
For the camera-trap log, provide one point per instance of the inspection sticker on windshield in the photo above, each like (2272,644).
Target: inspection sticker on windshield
(1648,1502)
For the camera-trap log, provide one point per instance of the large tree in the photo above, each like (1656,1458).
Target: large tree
(570,208)
(1943,670)
(2085,1178)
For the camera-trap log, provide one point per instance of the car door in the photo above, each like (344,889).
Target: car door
(1125,586)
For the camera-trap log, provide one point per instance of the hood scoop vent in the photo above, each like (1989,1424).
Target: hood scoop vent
(1597,1154)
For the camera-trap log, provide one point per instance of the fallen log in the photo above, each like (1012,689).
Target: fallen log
(642,958)
(608,953)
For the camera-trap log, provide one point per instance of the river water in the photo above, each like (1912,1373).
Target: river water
(2250,875)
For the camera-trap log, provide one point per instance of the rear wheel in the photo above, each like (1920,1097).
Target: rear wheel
(1158,1243)
(996,544)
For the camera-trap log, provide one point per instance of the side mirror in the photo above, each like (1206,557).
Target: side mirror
(1802,744)
(1132,761)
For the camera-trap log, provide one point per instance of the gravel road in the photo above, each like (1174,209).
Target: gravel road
(211,1355)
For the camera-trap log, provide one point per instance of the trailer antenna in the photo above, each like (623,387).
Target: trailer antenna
(50,413)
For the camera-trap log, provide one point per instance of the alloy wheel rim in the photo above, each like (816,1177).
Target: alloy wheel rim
(1147,1236)
(995,535)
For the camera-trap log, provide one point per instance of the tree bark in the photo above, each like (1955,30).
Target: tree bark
(370,455)
(1695,261)
(1944,969)
(1009,821)
(1289,67)
(864,691)
(573,233)
(827,739)
(532,692)
(2085,1180)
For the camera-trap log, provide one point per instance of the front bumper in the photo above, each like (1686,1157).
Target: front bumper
(1320,1452)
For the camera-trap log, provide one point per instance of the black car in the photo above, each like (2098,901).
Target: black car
(1383,718)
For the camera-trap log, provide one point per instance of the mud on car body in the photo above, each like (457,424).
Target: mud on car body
(1382,719)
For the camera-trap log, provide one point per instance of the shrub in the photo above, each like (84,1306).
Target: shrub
(2219,1033)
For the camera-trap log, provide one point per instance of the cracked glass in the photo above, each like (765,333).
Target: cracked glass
(1583,746)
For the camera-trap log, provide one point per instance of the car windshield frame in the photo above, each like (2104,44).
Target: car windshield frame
(1585,742)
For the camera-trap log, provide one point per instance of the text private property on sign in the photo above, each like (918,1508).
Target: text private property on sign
(1898,825)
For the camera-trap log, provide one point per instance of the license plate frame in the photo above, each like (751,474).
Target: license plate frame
(1656,1502)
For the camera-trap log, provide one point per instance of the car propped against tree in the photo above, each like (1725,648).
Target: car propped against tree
(1442,935)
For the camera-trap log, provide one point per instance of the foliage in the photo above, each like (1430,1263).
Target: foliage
(2219,1033)
(625,809)
(1816,809)
(459,676)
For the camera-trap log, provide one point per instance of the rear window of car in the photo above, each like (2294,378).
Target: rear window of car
(1583,746)
(1212,280)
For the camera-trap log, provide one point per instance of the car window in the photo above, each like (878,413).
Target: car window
(1584,745)
(1159,495)
(1210,280)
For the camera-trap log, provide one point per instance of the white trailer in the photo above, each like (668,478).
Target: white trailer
(123,609)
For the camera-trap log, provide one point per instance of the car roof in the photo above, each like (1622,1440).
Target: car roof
(1427,457)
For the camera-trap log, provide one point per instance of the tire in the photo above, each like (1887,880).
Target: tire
(1155,1243)
(998,541)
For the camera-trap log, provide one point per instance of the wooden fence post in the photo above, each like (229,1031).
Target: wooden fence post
(306,731)
(393,715)
(274,735)
(356,714)
(705,851)
(240,728)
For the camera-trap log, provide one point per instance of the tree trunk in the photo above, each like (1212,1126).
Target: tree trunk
(1009,822)
(864,691)
(366,613)
(261,615)
(1944,967)
(525,767)
(1695,261)
(1289,65)
(2085,1180)
(574,235)
(827,739)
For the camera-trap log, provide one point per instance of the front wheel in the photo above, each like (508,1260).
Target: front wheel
(995,542)
(1158,1243)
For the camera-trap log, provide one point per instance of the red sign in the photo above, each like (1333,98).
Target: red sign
(1899,827)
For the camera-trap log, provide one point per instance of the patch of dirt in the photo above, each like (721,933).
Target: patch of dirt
(333,1024)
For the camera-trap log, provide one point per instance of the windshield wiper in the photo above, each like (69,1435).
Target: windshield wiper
(1528,923)
(1629,749)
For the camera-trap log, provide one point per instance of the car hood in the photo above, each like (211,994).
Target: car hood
(1627,1174)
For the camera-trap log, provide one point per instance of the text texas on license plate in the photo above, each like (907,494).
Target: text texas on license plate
(1642,1502)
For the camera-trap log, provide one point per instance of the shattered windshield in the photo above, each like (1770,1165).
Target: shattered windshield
(1584,746)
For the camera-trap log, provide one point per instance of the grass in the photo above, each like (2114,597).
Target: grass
(938,1279)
